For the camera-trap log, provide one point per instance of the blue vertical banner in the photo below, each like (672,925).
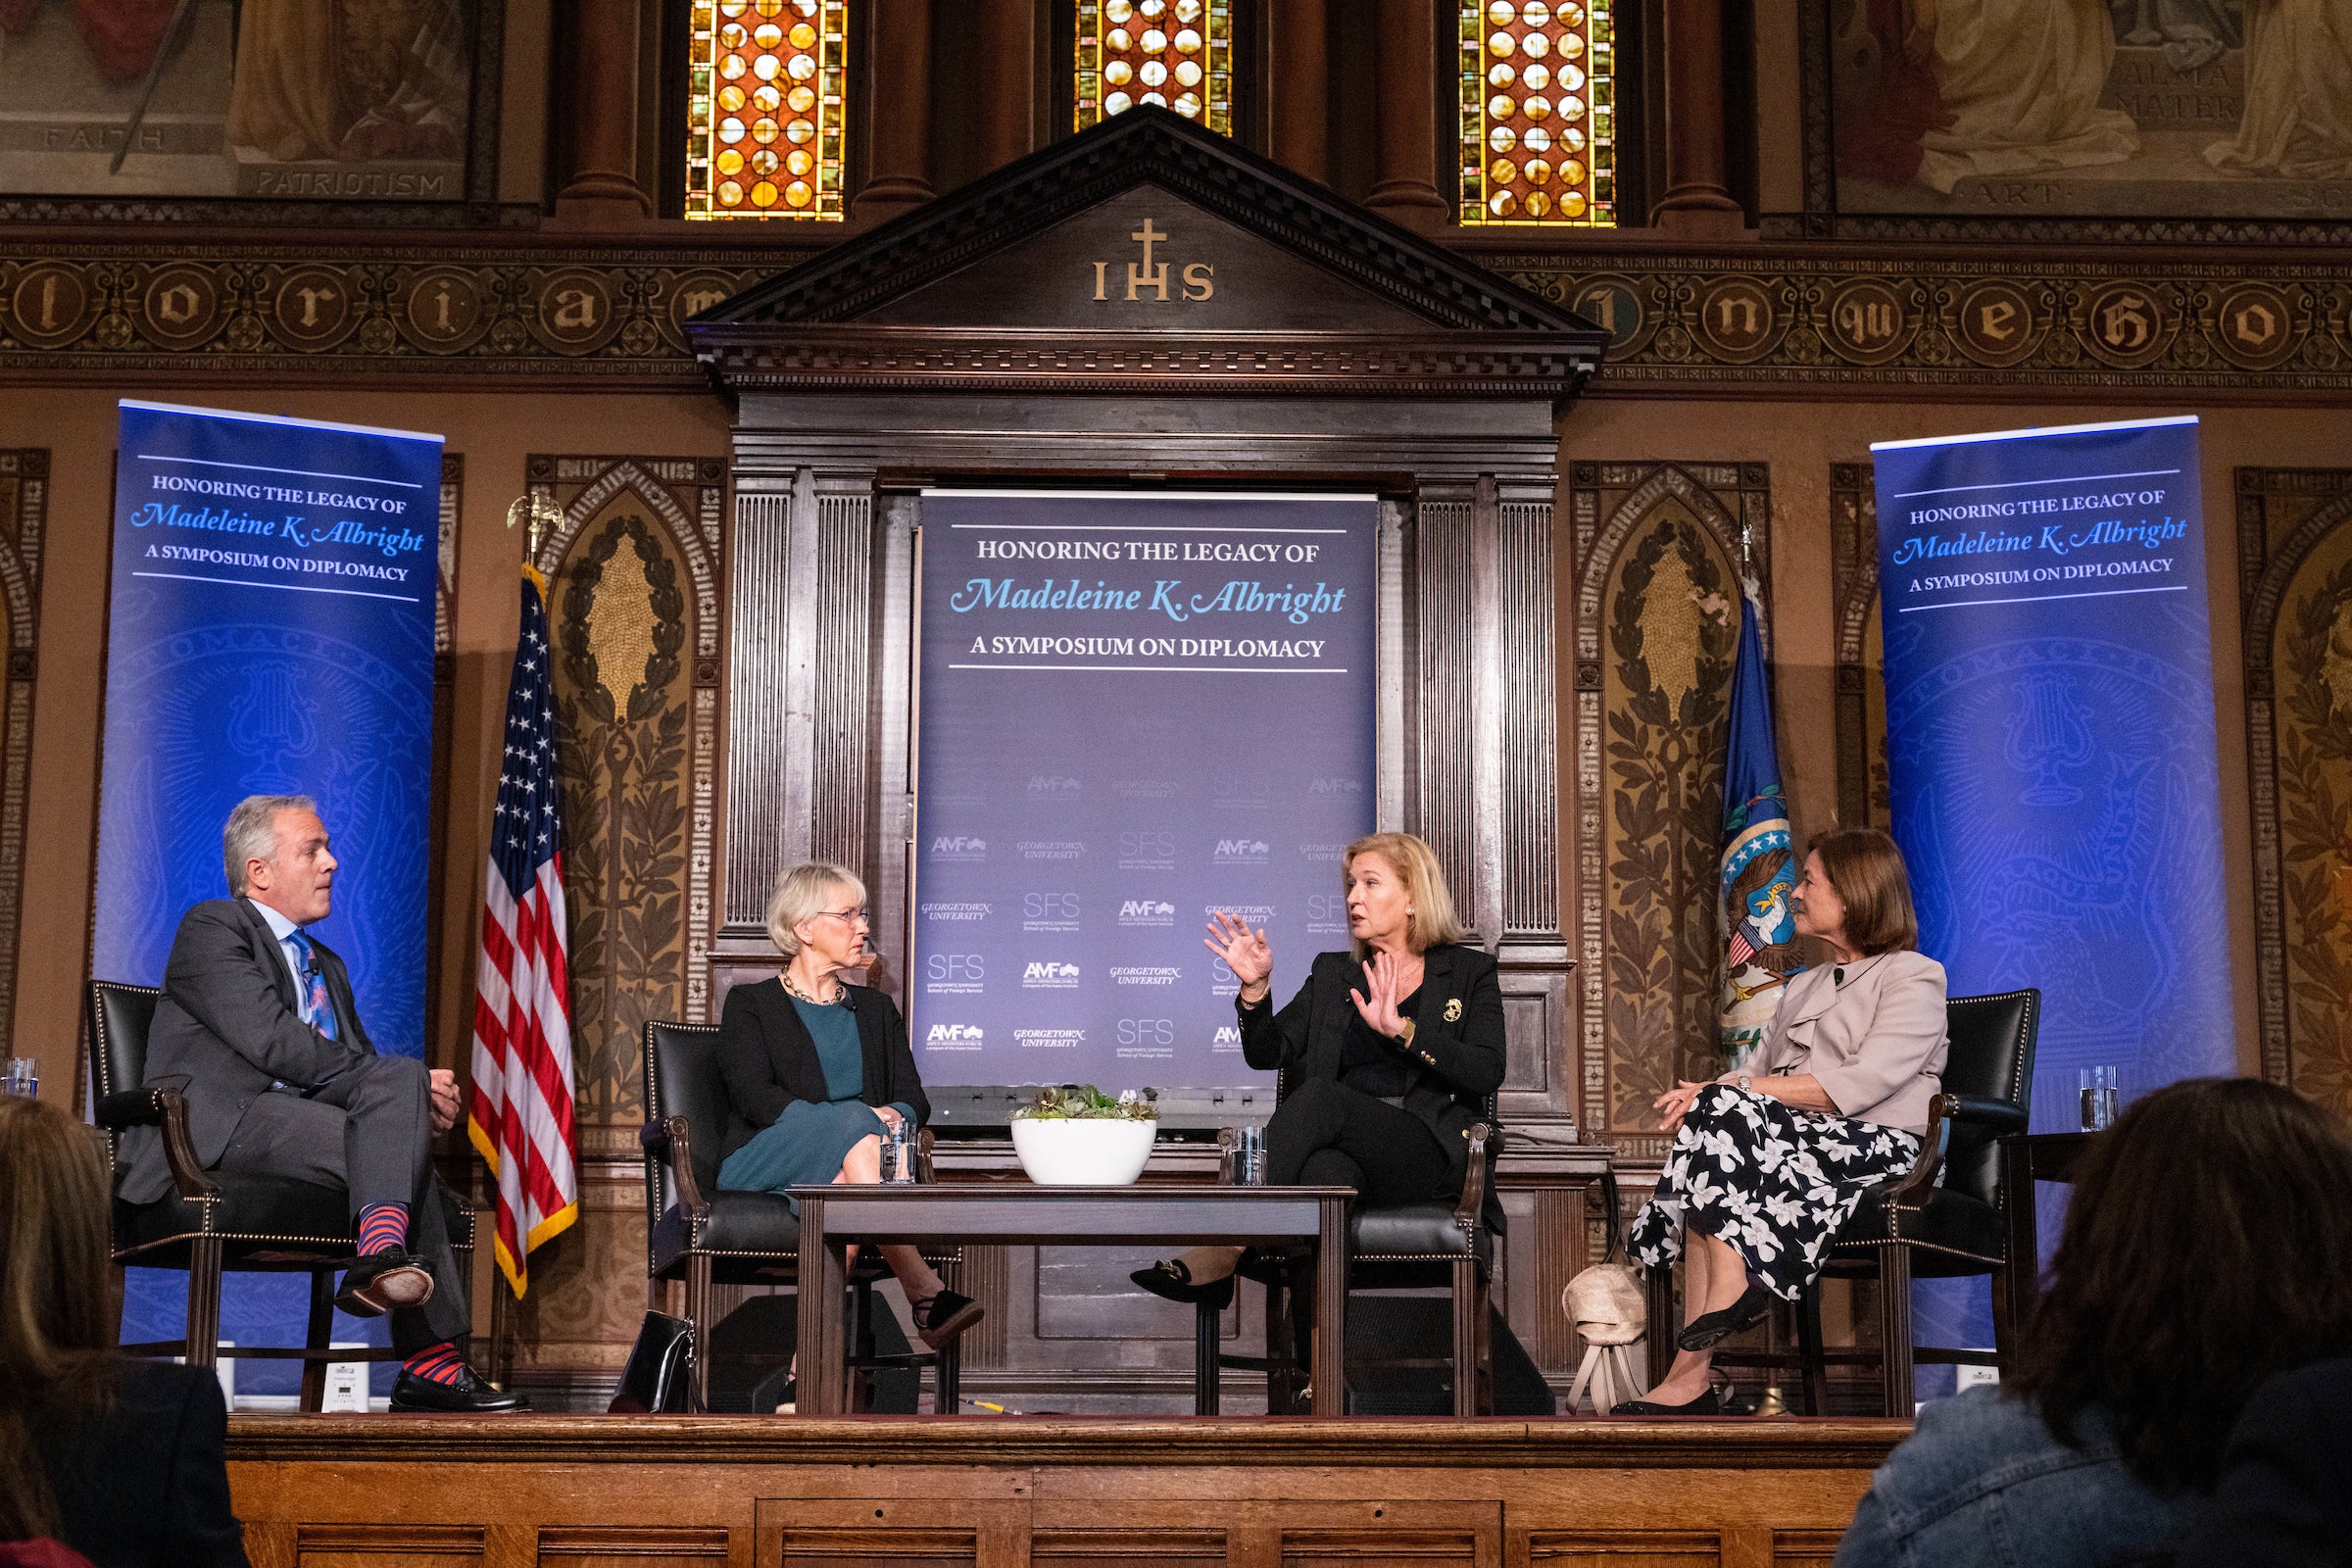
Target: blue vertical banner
(1135,708)
(270,631)
(2050,743)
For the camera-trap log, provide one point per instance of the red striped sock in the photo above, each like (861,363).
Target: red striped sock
(437,1363)
(383,1228)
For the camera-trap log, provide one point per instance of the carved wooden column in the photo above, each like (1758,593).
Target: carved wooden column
(900,116)
(1406,190)
(1697,203)
(1300,85)
(1008,85)
(602,189)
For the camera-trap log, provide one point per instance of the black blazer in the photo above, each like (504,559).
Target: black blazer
(2282,1501)
(147,1483)
(228,1025)
(769,1059)
(1456,1057)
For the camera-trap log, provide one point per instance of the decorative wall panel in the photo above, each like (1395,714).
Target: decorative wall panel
(2294,537)
(1862,800)
(23,522)
(1657,623)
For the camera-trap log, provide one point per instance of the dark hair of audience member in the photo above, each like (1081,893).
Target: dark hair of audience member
(57,1318)
(2204,1250)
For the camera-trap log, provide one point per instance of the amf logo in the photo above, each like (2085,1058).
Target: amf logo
(1055,786)
(1149,913)
(1049,976)
(954,1036)
(1240,851)
(960,846)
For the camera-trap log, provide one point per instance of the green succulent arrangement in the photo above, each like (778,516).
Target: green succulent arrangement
(1086,1103)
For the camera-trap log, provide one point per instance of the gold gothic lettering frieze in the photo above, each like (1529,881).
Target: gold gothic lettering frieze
(1757,320)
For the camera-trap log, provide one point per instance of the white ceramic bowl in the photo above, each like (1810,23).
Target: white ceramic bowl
(1090,1152)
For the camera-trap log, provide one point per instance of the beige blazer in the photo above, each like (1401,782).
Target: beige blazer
(1876,1042)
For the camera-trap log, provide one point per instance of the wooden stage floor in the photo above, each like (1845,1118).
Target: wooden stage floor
(896,1491)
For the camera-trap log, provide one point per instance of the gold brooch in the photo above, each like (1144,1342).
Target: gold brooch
(1453,1009)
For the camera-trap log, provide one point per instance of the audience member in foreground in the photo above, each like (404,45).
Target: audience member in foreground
(2203,1252)
(121,1460)
(2285,1495)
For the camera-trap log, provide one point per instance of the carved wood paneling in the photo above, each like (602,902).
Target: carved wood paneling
(23,538)
(760,594)
(1861,695)
(1656,621)
(2295,536)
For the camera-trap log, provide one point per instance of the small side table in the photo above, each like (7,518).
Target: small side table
(2026,1160)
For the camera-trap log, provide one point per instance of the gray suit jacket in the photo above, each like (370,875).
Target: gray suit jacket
(1876,1042)
(226,1027)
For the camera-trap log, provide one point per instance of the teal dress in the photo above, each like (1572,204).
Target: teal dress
(805,1145)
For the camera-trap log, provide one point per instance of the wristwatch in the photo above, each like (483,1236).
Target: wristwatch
(1743,1084)
(1405,1037)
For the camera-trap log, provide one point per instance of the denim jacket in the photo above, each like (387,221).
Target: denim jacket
(1980,1480)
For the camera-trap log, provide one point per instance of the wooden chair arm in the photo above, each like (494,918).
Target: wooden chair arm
(1473,1181)
(189,1179)
(681,1138)
(924,1170)
(1918,1183)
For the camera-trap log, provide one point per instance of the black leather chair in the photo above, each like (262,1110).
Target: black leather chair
(705,1234)
(209,1223)
(1390,1248)
(1941,1220)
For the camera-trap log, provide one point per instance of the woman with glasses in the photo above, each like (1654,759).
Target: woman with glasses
(818,1069)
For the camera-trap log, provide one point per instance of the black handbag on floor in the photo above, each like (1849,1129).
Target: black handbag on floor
(655,1381)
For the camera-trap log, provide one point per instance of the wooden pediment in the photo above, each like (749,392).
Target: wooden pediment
(1147,254)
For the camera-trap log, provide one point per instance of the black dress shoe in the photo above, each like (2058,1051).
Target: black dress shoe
(1711,1329)
(1170,1281)
(942,1317)
(1705,1404)
(469,1396)
(383,1282)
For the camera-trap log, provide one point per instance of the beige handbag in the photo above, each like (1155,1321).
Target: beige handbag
(1606,1305)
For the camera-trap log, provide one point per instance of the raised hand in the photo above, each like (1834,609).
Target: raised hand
(1245,952)
(1376,1004)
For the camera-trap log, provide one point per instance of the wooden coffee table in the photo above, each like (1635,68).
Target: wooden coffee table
(834,1217)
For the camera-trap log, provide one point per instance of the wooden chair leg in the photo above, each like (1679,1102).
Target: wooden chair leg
(697,1320)
(1206,1320)
(2004,1330)
(948,1382)
(1658,1286)
(1809,1347)
(1281,1351)
(1484,1310)
(1894,1328)
(315,1338)
(861,1400)
(204,1302)
(1465,1337)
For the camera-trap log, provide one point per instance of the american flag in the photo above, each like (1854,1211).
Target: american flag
(521,1114)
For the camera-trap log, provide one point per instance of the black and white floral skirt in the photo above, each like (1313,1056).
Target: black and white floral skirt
(1772,1182)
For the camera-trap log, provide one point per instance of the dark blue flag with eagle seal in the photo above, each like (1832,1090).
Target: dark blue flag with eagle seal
(1758,869)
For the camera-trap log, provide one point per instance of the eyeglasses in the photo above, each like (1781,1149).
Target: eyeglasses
(848,917)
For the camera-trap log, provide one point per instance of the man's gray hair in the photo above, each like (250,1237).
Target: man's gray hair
(251,833)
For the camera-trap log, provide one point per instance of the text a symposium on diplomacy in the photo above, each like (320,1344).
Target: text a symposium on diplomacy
(2094,545)
(218,508)
(1162,602)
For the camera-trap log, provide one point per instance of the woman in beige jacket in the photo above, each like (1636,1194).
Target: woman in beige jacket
(1770,1160)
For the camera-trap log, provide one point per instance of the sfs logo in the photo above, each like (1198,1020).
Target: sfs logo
(1147,1031)
(1049,906)
(1147,845)
(956,967)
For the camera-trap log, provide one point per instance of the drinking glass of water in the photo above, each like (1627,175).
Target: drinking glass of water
(21,1077)
(2102,1097)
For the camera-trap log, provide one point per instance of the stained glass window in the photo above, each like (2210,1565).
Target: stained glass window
(1538,112)
(764,109)
(1176,53)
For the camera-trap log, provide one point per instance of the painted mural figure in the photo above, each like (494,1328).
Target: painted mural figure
(2298,116)
(2192,32)
(2022,80)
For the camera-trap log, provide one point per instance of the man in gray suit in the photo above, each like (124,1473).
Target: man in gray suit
(258,1028)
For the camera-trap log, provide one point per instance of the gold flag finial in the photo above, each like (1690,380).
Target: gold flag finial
(536,513)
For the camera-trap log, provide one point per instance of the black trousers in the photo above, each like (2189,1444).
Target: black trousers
(1326,1134)
(370,1132)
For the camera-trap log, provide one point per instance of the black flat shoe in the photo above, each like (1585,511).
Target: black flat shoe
(469,1396)
(1705,1404)
(1711,1329)
(1170,1281)
(940,1318)
(384,1282)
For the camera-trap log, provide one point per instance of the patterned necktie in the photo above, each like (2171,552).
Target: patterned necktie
(317,1010)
